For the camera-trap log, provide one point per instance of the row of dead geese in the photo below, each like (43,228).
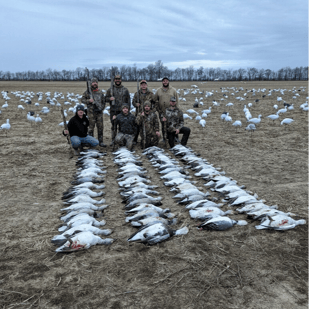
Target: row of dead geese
(142,209)
(233,195)
(80,228)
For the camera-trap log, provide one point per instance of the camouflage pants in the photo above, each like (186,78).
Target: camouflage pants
(96,119)
(125,140)
(151,140)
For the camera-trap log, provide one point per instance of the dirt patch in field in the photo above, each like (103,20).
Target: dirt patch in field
(239,268)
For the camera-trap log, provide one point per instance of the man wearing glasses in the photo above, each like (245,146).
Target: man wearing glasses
(116,96)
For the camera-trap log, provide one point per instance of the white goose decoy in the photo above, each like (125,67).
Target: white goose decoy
(192,111)
(38,119)
(255,120)
(5,105)
(186,116)
(282,110)
(20,107)
(6,126)
(202,123)
(236,124)
(83,240)
(207,111)
(198,118)
(228,118)
(30,118)
(286,121)
(273,117)
(251,127)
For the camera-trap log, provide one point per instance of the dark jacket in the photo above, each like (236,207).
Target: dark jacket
(121,95)
(78,126)
(126,123)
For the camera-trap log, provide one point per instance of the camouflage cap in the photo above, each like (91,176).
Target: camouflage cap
(117,75)
(173,99)
(165,77)
(147,102)
(94,80)
(143,82)
(80,108)
(124,105)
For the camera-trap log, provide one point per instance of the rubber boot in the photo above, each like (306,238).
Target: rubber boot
(101,144)
(113,138)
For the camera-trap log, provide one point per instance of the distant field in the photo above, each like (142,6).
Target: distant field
(239,268)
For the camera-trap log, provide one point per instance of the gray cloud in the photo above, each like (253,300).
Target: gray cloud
(227,33)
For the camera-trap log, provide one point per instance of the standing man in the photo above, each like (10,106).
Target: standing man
(162,99)
(175,124)
(77,128)
(120,96)
(139,99)
(127,127)
(151,123)
(95,108)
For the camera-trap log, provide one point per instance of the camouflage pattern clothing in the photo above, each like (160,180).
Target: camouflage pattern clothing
(121,95)
(151,127)
(147,96)
(127,129)
(162,102)
(174,119)
(95,111)
(124,140)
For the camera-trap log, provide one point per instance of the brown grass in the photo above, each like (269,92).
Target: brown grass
(239,268)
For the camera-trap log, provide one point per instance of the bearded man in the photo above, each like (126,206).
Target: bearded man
(116,96)
(95,109)
(150,120)
(125,122)
(162,102)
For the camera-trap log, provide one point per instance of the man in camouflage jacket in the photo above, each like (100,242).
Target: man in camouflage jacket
(151,123)
(162,99)
(173,119)
(140,97)
(116,96)
(127,127)
(95,108)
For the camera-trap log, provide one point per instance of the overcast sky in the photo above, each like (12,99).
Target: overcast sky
(66,34)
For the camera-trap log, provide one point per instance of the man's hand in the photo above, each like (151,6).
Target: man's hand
(164,119)
(137,104)
(111,98)
(91,101)
(66,132)
(142,113)
(177,131)
(114,117)
(158,133)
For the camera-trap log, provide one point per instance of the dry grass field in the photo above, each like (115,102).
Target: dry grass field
(239,268)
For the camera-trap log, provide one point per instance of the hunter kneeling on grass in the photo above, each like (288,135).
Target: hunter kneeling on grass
(149,120)
(77,128)
(125,121)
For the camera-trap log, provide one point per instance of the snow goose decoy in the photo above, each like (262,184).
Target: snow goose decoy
(6,126)
(286,121)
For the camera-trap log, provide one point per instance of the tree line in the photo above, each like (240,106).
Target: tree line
(154,72)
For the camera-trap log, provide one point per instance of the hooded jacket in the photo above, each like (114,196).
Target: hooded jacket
(78,126)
